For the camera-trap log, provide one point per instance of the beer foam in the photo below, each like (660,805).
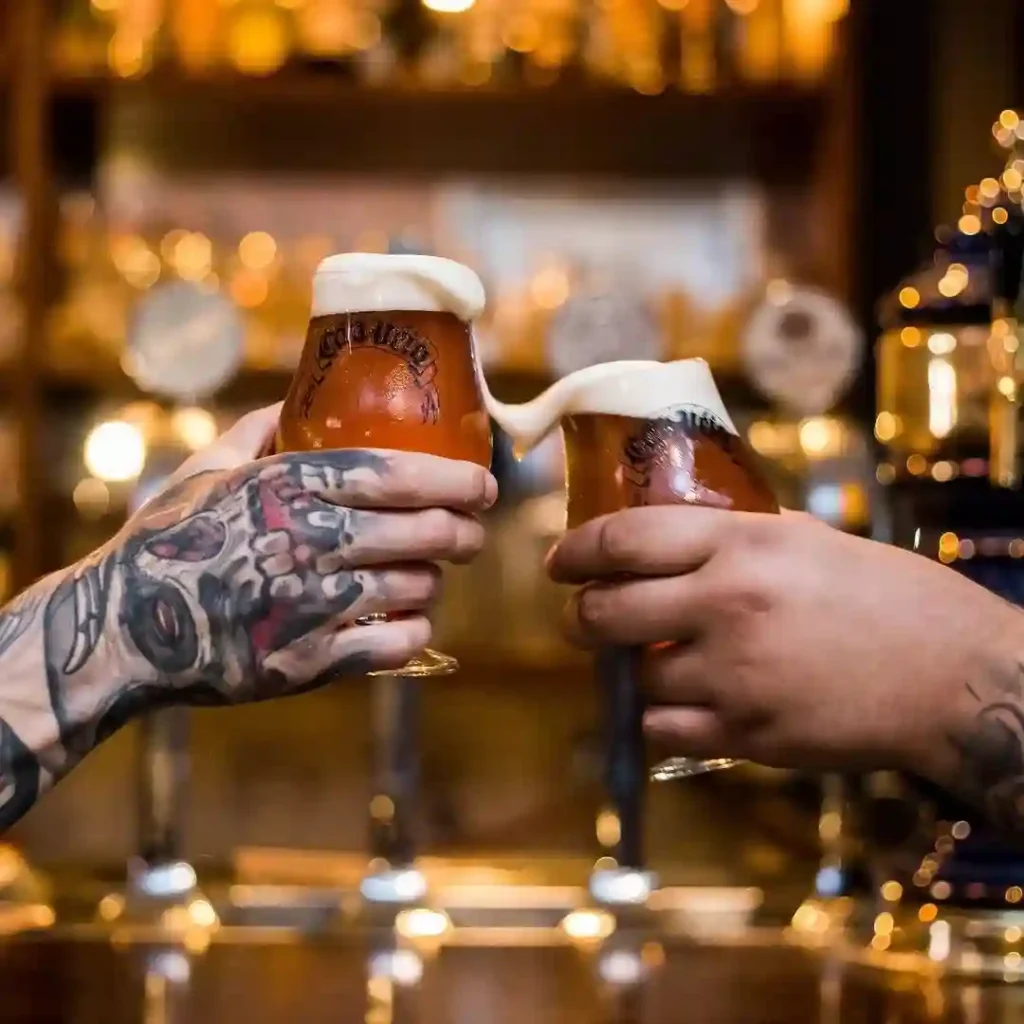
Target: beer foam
(363,282)
(640,389)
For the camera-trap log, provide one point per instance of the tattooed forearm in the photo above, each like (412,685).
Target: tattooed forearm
(225,588)
(231,586)
(991,748)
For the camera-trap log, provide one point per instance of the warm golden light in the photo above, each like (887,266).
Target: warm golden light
(115,452)
(382,808)
(257,250)
(249,289)
(885,427)
(941,343)
(1009,119)
(549,289)
(999,215)
(588,925)
(911,337)
(892,891)
(192,257)
(608,828)
(884,923)
(257,43)
(202,914)
(969,224)
(422,923)
(954,281)
(1014,894)
(820,435)
(989,188)
(110,907)
(448,6)
(91,497)
(909,297)
(196,428)
(1012,179)
(928,912)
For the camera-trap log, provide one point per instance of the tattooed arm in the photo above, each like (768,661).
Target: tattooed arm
(236,584)
(988,770)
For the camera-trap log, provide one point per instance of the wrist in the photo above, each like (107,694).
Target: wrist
(978,748)
(96,680)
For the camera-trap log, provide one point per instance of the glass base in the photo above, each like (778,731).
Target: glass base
(685,767)
(429,663)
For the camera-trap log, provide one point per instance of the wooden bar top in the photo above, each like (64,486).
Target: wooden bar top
(61,982)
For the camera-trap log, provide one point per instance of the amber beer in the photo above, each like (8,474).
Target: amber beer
(389,363)
(684,455)
(640,435)
(389,360)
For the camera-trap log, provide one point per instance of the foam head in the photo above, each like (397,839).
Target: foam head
(362,282)
(635,388)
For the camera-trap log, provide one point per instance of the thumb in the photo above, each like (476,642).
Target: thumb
(249,436)
(238,445)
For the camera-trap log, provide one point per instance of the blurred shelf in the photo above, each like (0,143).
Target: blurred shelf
(286,119)
(110,383)
(104,381)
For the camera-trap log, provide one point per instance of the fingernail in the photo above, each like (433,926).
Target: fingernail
(550,556)
(490,490)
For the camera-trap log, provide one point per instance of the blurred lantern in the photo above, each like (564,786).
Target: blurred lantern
(949,368)
(949,371)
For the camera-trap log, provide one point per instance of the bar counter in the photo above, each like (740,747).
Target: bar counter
(50,981)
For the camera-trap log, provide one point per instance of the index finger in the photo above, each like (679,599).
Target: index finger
(374,478)
(662,540)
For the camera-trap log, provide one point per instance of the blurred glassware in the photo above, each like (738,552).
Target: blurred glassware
(701,45)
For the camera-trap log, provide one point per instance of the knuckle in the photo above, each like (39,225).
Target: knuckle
(593,608)
(432,582)
(743,591)
(401,482)
(439,531)
(616,541)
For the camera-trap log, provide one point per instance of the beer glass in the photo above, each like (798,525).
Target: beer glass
(389,363)
(642,433)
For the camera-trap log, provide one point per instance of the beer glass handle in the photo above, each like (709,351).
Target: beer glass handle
(162,782)
(625,760)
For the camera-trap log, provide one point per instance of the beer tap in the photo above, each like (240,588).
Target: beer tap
(159,874)
(620,877)
(392,878)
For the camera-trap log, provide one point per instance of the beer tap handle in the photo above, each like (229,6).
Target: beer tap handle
(160,870)
(627,882)
(396,718)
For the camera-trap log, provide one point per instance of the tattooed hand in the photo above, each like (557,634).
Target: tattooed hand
(242,581)
(778,639)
